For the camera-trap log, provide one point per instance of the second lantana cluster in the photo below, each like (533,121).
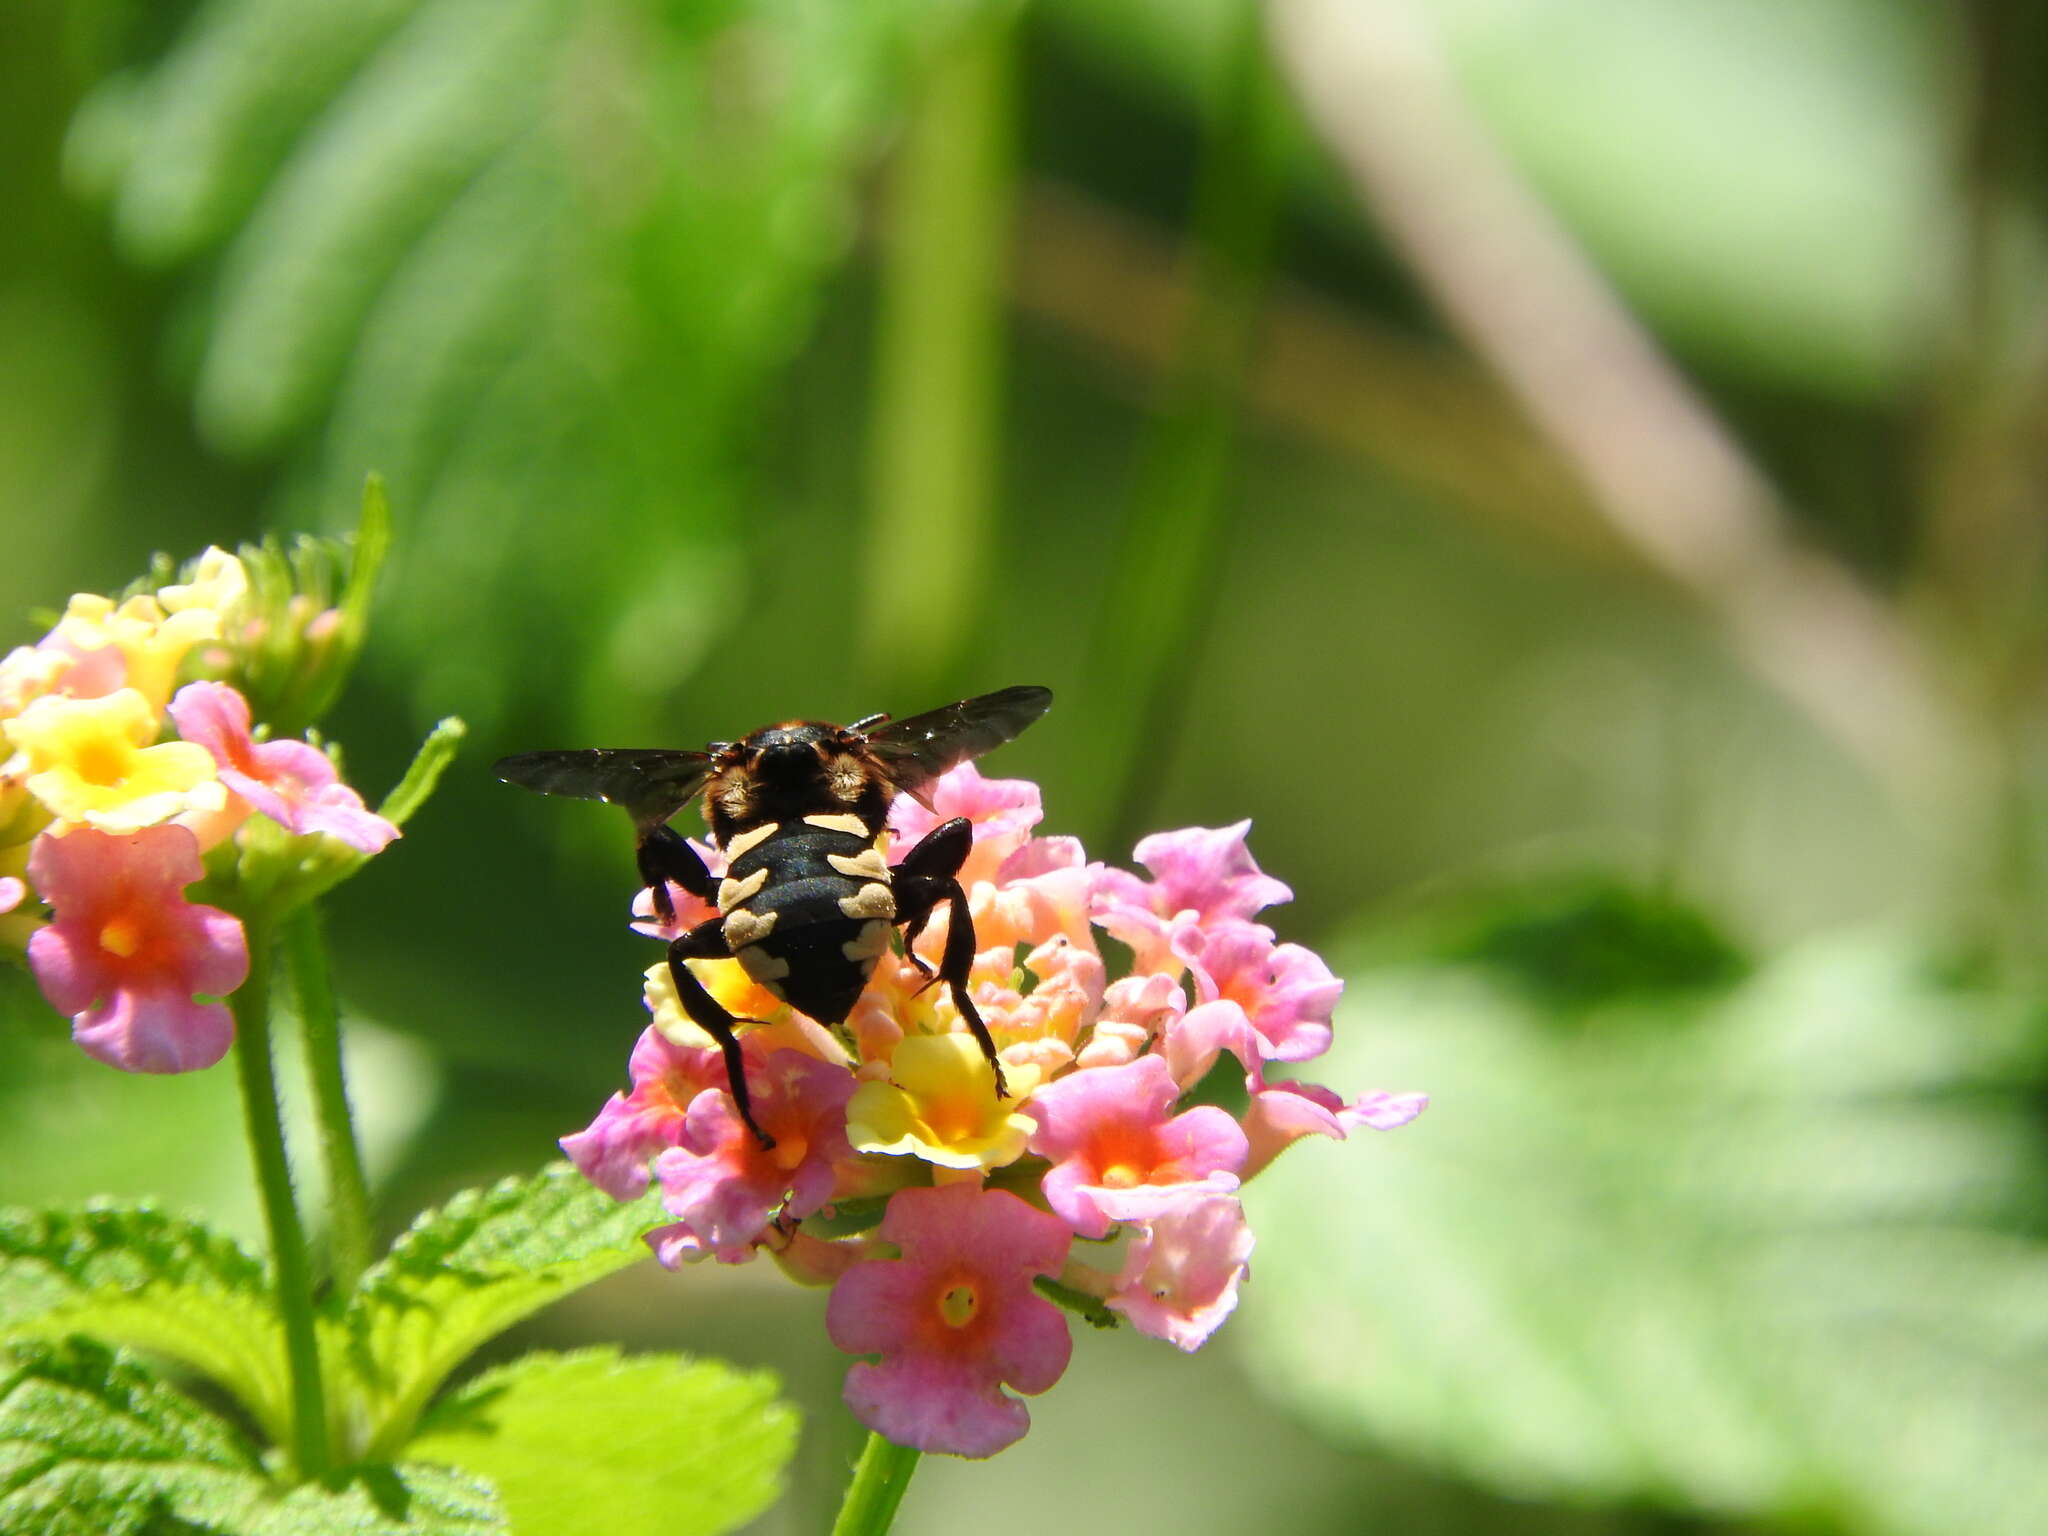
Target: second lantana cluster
(131,770)
(956,1228)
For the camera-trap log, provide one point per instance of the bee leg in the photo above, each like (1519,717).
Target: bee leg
(706,941)
(928,875)
(664,854)
(911,930)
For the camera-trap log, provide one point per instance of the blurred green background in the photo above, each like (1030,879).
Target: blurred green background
(1570,470)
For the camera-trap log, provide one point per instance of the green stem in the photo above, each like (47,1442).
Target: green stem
(294,1274)
(348,1196)
(1170,560)
(878,1485)
(939,361)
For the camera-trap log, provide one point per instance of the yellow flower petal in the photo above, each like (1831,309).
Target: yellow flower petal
(151,643)
(942,1106)
(218,583)
(87,763)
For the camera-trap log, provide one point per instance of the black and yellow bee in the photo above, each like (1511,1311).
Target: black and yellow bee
(807,901)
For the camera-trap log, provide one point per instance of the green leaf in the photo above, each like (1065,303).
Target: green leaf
(468,1271)
(137,1277)
(90,1440)
(1765,1254)
(661,1445)
(91,1443)
(413,1498)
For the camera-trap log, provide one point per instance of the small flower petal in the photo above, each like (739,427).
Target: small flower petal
(633,1129)
(127,956)
(724,1186)
(955,1319)
(1181,1272)
(1284,1113)
(292,782)
(1118,1151)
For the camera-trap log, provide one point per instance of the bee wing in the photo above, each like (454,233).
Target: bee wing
(917,750)
(651,782)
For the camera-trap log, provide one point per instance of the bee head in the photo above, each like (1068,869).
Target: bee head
(787,758)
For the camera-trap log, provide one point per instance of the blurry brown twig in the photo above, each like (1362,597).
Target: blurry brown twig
(1321,370)
(1659,467)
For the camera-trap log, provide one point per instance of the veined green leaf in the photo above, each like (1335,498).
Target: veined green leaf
(91,1444)
(465,1273)
(135,1276)
(664,1446)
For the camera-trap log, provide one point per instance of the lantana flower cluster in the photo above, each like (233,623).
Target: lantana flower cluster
(957,1229)
(130,772)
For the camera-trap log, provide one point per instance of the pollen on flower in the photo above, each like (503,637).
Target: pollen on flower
(958,1304)
(122,936)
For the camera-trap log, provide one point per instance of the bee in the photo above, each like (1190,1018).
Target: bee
(807,903)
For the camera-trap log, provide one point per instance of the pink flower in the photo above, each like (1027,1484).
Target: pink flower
(724,1188)
(690,910)
(1003,812)
(1032,905)
(1181,1271)
(1286,1112)
(291,782)
(633,1129)
(11,892)
(1134,1010)
(1258,1000)
(954,1319)
(1202,876)
(1205,870)
(127,956)
(1116,1154)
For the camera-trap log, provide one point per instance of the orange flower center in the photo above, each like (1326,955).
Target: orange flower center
(1123,1157)
(103,762)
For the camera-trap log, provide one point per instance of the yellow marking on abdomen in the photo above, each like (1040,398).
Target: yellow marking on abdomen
(752,838)
(763,967)
(837,821)
(865,947)
(732,893)
(743,928)
(874,899)
(868,864)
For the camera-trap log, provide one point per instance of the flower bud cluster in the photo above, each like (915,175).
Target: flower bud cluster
(947,1219)
(120,788)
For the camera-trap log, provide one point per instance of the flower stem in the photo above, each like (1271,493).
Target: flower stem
(348,1197)
(877,1488)
(258,1078)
